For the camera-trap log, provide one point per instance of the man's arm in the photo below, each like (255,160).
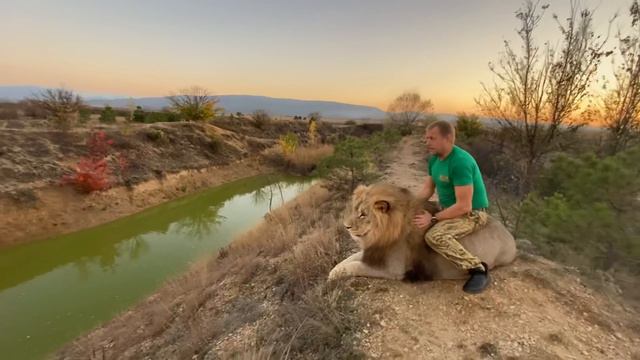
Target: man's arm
(428,189)
(463,205)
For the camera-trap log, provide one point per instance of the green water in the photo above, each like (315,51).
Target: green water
(54,290)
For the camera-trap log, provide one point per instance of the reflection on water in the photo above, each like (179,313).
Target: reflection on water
(52,291)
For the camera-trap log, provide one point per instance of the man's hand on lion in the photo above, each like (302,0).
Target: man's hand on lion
(423,220)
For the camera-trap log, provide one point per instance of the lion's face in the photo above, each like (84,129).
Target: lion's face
(376,214)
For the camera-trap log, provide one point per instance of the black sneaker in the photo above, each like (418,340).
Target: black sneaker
(478,281)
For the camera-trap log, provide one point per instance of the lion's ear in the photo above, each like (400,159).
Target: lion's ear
(360,189)
(382,206)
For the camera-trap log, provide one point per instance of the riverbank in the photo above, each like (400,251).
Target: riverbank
(62,210)
(164,161)
(53,291)
(266,296)
(261,285)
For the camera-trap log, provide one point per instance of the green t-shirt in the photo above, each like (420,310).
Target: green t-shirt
(459,168)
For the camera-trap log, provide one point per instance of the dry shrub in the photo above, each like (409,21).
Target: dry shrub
(305,159)
(281,227)
(319,326)
(312,258)
(8,114)
(302,160)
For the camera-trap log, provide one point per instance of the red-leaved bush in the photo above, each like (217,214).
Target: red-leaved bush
(99,145)
(93,173)
(90,175)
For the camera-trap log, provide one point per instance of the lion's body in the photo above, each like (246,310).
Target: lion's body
(380,220)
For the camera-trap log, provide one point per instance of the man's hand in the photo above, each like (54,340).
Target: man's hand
(422,221)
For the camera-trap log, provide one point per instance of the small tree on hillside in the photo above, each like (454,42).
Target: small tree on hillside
(61,104)
(194,104)
(313,132)
(407,109)
(622,104)
(537,92)
(314,117)
(468,126)
(349,164)
(108,115)
(139,114)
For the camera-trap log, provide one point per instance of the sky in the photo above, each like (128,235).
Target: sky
(356,51)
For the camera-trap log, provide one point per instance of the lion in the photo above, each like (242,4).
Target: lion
(379,219)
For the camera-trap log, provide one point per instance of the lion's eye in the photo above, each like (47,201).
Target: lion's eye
(362,215)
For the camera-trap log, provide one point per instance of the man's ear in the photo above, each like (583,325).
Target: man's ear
(382,206)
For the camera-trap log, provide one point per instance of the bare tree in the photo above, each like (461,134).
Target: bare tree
(409,108)
(622,104)
(260,119)
(536,93)
(61,104)
(194,104)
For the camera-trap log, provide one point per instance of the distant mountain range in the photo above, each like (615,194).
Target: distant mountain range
(245,104)
(231,103)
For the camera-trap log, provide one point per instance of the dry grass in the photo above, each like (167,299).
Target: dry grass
(302,161)
(270,279)
(305,159)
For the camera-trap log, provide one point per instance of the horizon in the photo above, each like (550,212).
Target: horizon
(341,52)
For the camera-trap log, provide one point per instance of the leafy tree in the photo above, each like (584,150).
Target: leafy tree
(194,104)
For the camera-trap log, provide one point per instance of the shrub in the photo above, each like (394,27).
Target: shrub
(349,164)
(107,116)
(288,143)
(313,132)
(162,116)
(355,159)
(92,173)
(588,206)
(468,126)
(155,135)
(305,159)
(8,114)
(84,115)
(139,114)
(260,119)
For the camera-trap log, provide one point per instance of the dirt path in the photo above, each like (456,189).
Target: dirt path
(408,168)
(534,309)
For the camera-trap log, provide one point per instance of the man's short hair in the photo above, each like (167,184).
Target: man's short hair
(444,127)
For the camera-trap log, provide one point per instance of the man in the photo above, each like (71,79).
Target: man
(456,176)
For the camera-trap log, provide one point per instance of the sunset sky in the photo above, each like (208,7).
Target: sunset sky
(363,52)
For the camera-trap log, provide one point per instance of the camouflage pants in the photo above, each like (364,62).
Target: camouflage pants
(444,235)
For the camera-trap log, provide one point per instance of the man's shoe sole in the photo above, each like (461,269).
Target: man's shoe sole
(480,290)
